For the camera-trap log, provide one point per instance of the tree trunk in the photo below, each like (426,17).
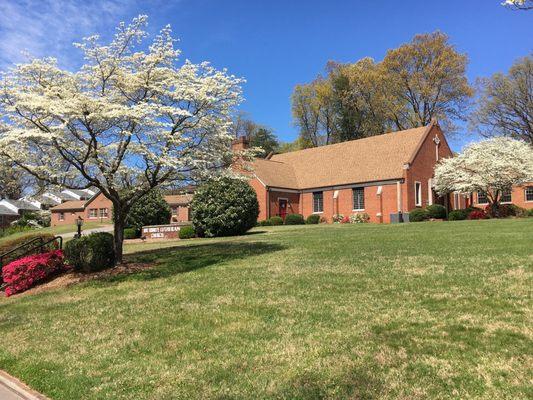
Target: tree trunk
(495,209)
(119,219)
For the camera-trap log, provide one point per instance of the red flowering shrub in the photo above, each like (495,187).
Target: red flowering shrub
(477,214)
(22,274)
(345,220)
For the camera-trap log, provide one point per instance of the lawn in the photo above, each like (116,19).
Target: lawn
(414,311)
(56,230)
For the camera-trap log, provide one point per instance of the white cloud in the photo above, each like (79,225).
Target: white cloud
(49,27)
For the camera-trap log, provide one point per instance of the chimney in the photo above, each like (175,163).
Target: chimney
(239,144)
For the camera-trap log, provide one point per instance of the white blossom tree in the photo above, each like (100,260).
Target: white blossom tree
(491,166)
(127,121)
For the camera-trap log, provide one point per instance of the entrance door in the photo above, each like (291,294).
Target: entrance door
(282,208)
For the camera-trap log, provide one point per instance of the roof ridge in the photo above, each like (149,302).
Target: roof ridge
(350,141)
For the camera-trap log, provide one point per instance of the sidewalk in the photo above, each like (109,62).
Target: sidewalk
(13,389)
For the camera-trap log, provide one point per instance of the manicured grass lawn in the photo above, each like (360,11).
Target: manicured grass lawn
(414,311)
(56,230)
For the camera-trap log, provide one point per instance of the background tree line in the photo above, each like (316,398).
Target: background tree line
(413,84)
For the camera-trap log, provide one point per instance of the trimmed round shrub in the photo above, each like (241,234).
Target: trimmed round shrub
(187,232)
(436,211)
(530,212)
(91,253)
(224,207)
(313,219)
(130,233)
(265,222)
(418,215)
(151,209)
(457,215)
(294,219)
(274,221)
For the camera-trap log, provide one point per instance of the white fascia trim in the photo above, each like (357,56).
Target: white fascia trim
(273,189)
(72,194)
(7,204)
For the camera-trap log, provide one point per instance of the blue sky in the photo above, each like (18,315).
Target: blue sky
(275,44)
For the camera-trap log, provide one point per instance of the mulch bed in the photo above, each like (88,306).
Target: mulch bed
(74,277)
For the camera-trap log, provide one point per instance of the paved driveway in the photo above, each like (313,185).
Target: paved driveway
(106,228)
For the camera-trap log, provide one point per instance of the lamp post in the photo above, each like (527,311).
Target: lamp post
(79,223)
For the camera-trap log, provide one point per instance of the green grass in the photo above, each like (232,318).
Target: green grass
(414,311)
(56,230)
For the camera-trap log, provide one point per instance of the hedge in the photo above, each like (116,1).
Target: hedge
(187,232)
(276,221)
(436,211)
(94,252)
(294,219)
(418,215)
(130,233)
(313,219)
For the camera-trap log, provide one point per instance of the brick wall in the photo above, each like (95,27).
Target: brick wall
(422,168)
(293,202)
(518,197)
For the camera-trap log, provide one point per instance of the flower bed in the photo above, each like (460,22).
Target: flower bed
(22,274)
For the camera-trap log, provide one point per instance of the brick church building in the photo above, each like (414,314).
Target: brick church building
(384,176)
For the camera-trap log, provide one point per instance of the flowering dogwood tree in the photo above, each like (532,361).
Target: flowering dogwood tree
(491,166)
(127,121)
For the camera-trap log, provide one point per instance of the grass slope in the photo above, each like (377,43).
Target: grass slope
(414,311)
(56,230)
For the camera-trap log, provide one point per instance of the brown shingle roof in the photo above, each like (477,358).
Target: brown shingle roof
(71,205)
(178,199)
(375,158)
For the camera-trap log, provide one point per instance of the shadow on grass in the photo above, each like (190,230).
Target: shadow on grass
(177,260)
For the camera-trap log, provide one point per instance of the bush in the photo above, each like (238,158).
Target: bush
(294,219)
(418,215)
(91,253)
(22,274)
(274,221)
(530,212)
(458,215)
(13,229)
(337,218)
(187,232)
(312,219)
(265,222)
(518,211)
(224,207)
(130,233)
(359,218)
(345,220)
(436,211)
(477,214)
(151,209)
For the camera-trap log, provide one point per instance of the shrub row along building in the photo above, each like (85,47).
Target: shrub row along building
(384,176)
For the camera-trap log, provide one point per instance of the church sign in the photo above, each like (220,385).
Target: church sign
(161,232)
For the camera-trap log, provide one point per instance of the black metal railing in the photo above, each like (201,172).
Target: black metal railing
(29,247)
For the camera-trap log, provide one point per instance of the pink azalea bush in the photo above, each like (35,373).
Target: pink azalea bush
(24,273)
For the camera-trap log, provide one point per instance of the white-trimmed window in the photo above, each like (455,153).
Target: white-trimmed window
(61,216)
(506,196)
(104,212)
(358,198)
(318,202)
(93,213)
(418,194)
(482,198)
(528,193)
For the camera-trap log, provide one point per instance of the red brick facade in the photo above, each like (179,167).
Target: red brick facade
(381,198)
